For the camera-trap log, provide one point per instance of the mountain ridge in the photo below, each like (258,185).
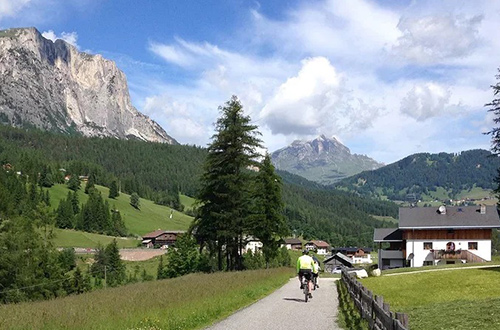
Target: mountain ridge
(53,86)
(324,160)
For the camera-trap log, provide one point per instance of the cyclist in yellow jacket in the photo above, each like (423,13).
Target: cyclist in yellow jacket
(305,267)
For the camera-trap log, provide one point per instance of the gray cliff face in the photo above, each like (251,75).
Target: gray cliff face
(53,86)
(322,160)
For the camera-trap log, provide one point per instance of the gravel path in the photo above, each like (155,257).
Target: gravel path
(285,309)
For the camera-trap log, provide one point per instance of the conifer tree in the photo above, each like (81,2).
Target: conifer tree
(90,182)
(74,182)
(134,200)
(494,106)
(268,223)
(64,214)
(224,194)
(117,223)
(113,190)
(116,269)
(75,203)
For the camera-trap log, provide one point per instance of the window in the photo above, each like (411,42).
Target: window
(472,245)
(427,245)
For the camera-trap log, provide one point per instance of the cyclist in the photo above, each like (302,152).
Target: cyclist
(315,273)
(305,268)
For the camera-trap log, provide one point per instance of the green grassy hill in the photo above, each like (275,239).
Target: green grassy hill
(148,218)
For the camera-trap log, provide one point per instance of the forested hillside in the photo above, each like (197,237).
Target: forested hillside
(153,170)
(158,171)
(420,175)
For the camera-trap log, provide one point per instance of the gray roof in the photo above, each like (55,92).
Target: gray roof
(455,217)
(292,241)
(387,235)
(345,260)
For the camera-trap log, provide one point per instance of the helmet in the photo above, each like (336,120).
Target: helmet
(305,251)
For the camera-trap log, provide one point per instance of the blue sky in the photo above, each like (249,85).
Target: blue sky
(386,78)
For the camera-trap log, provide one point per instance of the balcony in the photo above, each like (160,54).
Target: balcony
(457,254)
(390,254)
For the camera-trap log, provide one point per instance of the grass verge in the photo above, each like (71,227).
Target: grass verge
(189,302)
(460,299)
(348,315)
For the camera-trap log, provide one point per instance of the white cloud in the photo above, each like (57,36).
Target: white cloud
(69,37)
(425,101)
(316,101)
(11,7)
(432,39)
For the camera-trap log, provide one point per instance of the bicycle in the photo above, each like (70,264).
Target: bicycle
(305,288)
(315,282)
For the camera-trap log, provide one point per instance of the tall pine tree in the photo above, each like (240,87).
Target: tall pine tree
(224,197)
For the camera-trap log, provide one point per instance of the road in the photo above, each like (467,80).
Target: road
(285,309)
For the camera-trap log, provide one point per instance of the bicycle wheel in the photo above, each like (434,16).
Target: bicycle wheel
(306,291)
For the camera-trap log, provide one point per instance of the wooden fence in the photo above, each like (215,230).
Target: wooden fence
(373,309)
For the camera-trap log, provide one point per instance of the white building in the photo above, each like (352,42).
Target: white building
(430,236)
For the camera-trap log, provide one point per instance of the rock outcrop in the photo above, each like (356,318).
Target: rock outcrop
(322,160)
(55,87)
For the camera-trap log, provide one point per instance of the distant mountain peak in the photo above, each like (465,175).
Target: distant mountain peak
(53,86)
(322,159)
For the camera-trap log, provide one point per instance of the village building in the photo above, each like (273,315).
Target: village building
(252,244)
(161,238)
(335,261)
(292,244)
(320,247)
(357,255)
(430,236)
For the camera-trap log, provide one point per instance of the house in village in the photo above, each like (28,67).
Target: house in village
(321,247)
(292,244)
(336,260)
(252,244)
(444,235)
(161,238)
(357,255)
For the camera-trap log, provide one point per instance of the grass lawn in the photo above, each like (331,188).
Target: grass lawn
(450,299)
(148,218)
(190,302)
(73,238)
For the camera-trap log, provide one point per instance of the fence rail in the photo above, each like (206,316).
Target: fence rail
(373,309)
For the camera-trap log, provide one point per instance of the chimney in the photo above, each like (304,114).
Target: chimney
(442,209)
(483,209)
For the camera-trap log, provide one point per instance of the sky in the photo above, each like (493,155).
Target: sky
(386,78)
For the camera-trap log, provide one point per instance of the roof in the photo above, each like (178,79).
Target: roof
(346,261)
(352,249)
(455,217)
(292,241)
(159,232)
(388,235)
(320,244)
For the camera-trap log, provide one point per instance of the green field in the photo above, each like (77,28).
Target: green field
(460,299)
(148,218)
(188,302)
(73,238)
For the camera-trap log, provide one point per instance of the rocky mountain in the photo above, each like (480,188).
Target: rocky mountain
(55,87)
(322,160)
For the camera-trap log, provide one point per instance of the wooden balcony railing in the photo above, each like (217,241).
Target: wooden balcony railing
(457,254)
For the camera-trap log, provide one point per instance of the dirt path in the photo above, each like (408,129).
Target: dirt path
(285,309)
(140,254)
